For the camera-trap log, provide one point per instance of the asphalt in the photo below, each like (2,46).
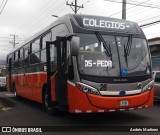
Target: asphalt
(28,113)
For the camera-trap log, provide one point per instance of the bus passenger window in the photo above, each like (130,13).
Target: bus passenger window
(26,60)
(16,57)
(18,54)
(36,46)
(35,52)
(43,55)
(21,57)
(44,39)
(53,51)
(21,53)
(26,54)
(43,47)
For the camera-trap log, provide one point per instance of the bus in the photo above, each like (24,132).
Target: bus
(84,64)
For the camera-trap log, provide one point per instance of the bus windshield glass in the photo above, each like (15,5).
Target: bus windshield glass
(113,56)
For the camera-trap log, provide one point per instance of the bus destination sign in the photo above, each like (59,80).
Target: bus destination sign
(107,24)
(104,24)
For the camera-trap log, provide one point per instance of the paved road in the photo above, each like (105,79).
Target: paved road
(26,113)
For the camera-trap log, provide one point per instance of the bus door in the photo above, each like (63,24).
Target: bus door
(10,74)
(56,72)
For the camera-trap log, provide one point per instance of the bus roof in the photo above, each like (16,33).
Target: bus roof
(83,23)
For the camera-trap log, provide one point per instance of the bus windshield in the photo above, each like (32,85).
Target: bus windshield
(113,56)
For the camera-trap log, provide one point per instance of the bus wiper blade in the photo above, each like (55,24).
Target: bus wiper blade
(127,48)
(107,48)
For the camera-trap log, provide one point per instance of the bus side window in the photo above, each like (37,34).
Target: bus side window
(15,59)
(43,47)
(7,65)
(35,55)
(53,50)
(26,54)
(9,62)
(36,46)
(21,57)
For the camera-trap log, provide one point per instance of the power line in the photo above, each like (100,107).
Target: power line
(39,13)
(45,19)
(39,20)
(127,8)
(136,4)
(11,38)
(151,18)
(149,24)
(149,14)
(3,6)
(140,10)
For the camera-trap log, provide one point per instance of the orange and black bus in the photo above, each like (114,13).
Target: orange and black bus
(84,64)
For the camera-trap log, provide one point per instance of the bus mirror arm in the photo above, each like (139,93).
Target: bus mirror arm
(75,41)
(69,36)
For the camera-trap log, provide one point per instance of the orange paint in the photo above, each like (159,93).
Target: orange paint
(82,101)
(30,86)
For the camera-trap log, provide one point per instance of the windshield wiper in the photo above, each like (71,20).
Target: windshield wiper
(127,48)
(107,48)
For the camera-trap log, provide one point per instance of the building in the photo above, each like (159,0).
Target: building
(154,45)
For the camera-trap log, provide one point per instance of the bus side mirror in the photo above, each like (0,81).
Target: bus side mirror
(75,41)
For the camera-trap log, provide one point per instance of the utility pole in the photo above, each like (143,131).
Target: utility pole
(76,8)
(124,9)
(14,40)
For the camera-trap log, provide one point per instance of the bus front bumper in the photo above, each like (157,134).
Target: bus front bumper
(80,102)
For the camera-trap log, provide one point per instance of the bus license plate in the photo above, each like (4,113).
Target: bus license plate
(124,103)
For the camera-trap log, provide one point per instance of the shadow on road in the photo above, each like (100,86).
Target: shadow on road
(106,118)
(90,119)
(6,103)
(157,102)
(112,118)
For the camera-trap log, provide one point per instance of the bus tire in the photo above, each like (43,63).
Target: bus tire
(51,110)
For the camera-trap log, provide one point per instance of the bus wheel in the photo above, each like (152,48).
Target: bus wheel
(51,110)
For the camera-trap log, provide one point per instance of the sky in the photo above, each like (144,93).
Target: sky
(24,18)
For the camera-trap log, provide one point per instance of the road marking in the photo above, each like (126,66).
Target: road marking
(6,108)
(9,94)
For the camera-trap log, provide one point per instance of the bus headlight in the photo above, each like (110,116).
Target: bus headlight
(87,89)
(148,86)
